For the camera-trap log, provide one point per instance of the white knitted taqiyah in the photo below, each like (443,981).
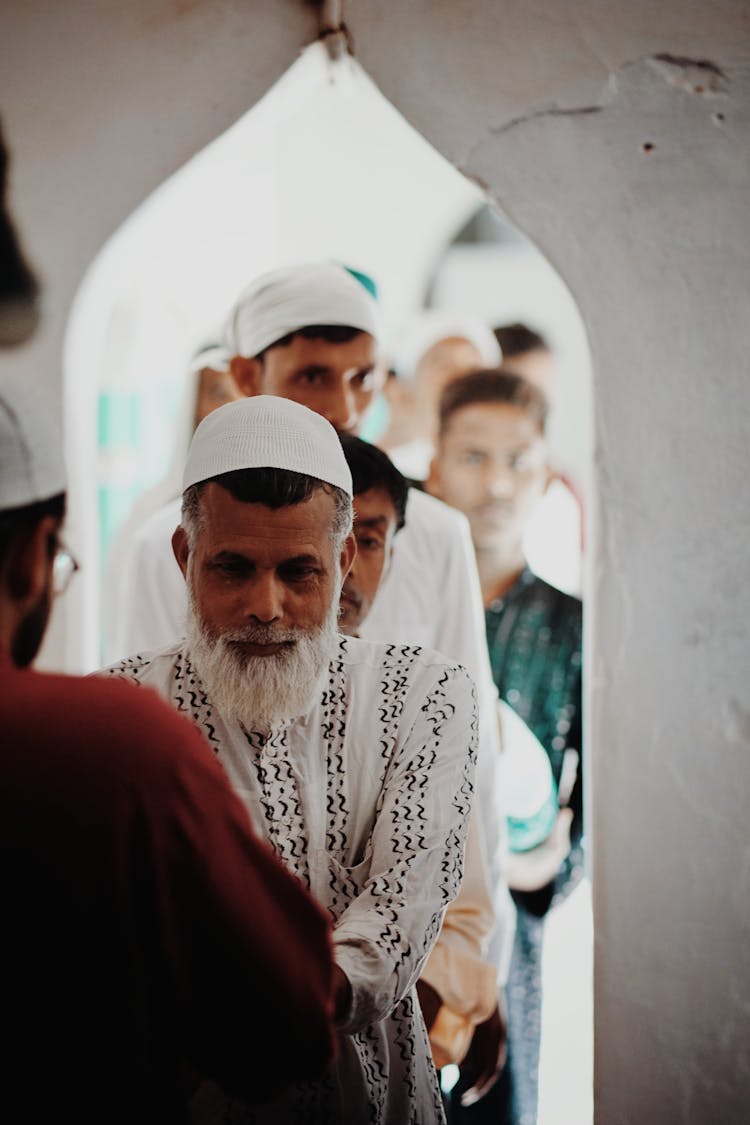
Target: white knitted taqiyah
(431,326)
(266,432)
(31,461)
(295,297)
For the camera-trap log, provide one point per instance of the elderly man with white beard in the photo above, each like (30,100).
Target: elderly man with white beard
(355,759)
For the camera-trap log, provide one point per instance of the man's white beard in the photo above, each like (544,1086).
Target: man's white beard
(260,691)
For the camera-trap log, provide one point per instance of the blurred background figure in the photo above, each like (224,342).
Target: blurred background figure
(526,352)
(131,624)
(554,536)
(433,350)
(491,463)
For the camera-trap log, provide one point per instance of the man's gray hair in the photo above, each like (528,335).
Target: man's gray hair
(276,488)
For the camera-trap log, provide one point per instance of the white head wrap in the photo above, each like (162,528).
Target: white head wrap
(266,432)
(213,356)
(433,325)
(31,462)
(295,297)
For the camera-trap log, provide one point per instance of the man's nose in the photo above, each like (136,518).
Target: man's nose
(264,599)
(498,482)
(341,408)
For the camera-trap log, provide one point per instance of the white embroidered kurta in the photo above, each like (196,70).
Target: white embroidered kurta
(431,596)
(366,799)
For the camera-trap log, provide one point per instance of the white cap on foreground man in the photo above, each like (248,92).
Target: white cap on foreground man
(354,759)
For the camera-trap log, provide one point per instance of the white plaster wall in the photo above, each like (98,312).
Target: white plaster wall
(549,105)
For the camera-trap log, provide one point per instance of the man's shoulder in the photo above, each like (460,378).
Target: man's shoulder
(429,516)
(144,667)
(410,662)
(158,527)
(98,712)
(562,602)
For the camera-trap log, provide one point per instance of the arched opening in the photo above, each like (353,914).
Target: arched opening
(322,166)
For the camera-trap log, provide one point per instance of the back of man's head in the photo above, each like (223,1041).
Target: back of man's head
(32,507)
(372,468)
(518,338)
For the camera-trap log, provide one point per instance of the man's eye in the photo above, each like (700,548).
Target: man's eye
(472,457)
(297,573)
(232,568)
(364,380)
(369,543)
(311,378)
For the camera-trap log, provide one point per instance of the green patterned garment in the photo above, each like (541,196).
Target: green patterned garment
(534,635)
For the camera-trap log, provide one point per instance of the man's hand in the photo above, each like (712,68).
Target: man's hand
(529,871)
(429,1001)
(485,1057)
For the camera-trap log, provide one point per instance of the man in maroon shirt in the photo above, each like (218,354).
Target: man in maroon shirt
(148,937)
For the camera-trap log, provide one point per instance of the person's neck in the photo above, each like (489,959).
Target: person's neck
(498,571)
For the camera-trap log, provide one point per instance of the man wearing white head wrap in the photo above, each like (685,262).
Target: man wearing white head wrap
(355,759)
(436,347)
(431,595)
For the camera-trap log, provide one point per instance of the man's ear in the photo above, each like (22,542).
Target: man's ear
(29,562)
(247,373)
(434,483)
(181,548)
(348,554)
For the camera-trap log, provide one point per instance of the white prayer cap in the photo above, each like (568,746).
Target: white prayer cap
(31,462)
(433,325)
(213,356)
(266,432)
(295,297)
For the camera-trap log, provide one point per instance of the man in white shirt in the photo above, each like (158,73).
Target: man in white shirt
(354,759)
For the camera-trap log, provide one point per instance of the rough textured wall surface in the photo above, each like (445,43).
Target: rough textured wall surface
(616,136)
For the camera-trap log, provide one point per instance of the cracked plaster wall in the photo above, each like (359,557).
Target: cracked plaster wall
(616,136)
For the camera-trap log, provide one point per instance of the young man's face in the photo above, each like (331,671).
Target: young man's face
(338,381)
(491,464)
(375,522)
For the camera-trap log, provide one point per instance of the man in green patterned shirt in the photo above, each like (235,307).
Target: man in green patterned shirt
(491,464)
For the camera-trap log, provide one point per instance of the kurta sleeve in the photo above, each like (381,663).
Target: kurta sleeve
(416,852)
(457,968)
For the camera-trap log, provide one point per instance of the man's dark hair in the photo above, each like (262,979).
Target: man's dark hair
(19,289)
(372,468)
(490,387)
(518,338)
(331,333)
(24,520)
(274,488)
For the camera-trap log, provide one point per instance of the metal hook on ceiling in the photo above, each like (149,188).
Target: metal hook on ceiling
(333,30)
